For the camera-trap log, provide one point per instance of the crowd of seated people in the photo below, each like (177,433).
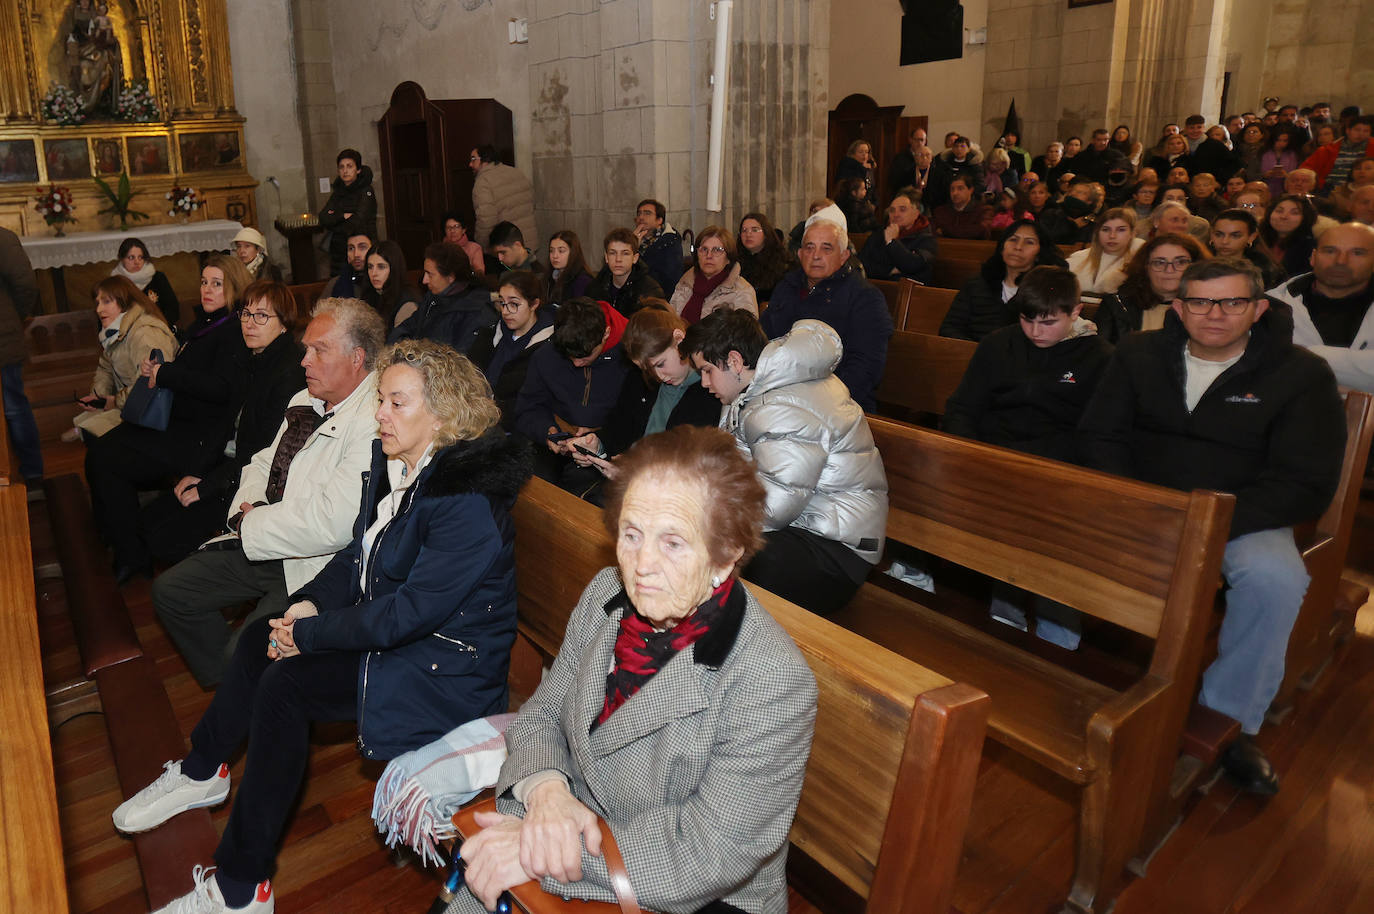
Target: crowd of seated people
(578,378)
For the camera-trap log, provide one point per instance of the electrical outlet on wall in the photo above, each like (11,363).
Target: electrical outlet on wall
(324,185)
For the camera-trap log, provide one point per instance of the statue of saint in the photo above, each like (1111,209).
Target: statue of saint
(94,62)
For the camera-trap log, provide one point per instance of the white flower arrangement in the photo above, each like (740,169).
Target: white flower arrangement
(62,105)
(184,201)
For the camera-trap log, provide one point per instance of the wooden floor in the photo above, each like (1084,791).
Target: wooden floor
(1310,849)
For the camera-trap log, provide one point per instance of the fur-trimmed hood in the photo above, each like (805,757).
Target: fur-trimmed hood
(495,465)
(975,156)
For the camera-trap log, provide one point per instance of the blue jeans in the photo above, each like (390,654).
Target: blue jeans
(1267,582)
(19,418)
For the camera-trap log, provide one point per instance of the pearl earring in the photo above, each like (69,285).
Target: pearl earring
(715,581)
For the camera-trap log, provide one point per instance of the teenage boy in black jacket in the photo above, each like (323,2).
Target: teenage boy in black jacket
(1220,398)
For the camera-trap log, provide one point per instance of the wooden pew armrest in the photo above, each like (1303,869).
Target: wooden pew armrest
(1142,700)
(532,899)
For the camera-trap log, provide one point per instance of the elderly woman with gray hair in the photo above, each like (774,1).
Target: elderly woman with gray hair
(407,630)
(677,709)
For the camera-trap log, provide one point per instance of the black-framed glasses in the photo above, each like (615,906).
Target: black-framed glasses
(1202,306)
(508,306)
(258,317)
(1170,266)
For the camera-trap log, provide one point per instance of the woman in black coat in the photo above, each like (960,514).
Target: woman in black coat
(407,630)
(387,290)
(858,162)
(981,305)
(351,209)
(207,370)
(1286,233)
(457,310)
(194,510)
(526,324)
(763,258)
(136,266)
(666,391)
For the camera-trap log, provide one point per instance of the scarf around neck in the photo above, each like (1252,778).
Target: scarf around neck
(141,278)
(702,287)
(640,651)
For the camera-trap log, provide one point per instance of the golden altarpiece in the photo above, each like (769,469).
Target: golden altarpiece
(93,56)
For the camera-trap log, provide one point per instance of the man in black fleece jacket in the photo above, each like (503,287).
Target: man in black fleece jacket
(1222,399)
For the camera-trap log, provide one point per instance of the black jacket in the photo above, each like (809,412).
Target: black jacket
(662,258)
(435,621)
(764,270)
(1270,429)
(943,168)
(977,310)
(1017,395)
(639,284)
(357,198)
(204,378)
(912,257)
(457,316)
(1121,312)
(857,312)
(510,373)
(626,423)
(269,380)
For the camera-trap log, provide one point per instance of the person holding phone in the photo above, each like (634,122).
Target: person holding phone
(131,328)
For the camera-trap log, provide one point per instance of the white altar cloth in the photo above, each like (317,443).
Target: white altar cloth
(97,247)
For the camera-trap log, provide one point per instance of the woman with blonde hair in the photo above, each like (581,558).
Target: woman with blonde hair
(1101,267)
(407,630)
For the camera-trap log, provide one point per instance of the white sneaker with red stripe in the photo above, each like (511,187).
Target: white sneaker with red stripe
(172,793)
(205,898)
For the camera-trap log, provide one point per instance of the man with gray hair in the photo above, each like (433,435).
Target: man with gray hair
(828,287)
(297,498)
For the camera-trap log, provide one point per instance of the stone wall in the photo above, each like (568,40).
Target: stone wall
(620,100)
(865,41)
(1320,51)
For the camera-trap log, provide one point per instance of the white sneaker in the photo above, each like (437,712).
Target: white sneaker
(205,898)
(172,793)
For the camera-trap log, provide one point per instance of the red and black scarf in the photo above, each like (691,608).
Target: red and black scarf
(640,651)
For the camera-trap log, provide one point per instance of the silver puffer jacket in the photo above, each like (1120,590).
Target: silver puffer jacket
(811,442)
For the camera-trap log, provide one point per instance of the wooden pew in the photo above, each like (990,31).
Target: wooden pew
(1321,627)
(125,685)
(32,875)
(890,779)
(952,272)
(926,307)
(1144,558)
(921,373)
(894,293)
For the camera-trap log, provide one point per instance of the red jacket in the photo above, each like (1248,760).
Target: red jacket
(1324,158)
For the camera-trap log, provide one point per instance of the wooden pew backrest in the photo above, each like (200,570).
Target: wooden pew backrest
(883,808)
(922,371)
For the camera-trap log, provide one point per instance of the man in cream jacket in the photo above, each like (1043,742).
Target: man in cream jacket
(297,499)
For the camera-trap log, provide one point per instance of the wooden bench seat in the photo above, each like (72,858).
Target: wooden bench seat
(1143,558)
(889,783)
(125,685)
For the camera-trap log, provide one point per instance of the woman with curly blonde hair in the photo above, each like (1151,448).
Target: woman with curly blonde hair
(407,630)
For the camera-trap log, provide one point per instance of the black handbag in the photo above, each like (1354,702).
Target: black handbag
(146,405)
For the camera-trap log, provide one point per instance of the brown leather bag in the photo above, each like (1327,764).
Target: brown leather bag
(531,899)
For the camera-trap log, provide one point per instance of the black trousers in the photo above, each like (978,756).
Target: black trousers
(170,531)
(271,704)
(806,569)
(119,464)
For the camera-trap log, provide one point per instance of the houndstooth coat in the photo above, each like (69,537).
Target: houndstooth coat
(697,775)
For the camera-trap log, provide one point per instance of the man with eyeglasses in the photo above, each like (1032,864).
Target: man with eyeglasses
(1332,313)
(1220,398)
(500,193)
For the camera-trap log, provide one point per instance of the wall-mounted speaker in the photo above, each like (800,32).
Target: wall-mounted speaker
(932,30)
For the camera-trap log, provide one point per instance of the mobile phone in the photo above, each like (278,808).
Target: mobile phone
(560,436)
(590,453)
(85,399)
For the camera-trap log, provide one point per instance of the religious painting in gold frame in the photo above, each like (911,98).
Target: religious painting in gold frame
(148,155)
(109,156)
(67,160)
(209,151)
(18,162)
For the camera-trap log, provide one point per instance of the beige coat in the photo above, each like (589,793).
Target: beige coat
(139,333)
(501,193)
(735,292)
